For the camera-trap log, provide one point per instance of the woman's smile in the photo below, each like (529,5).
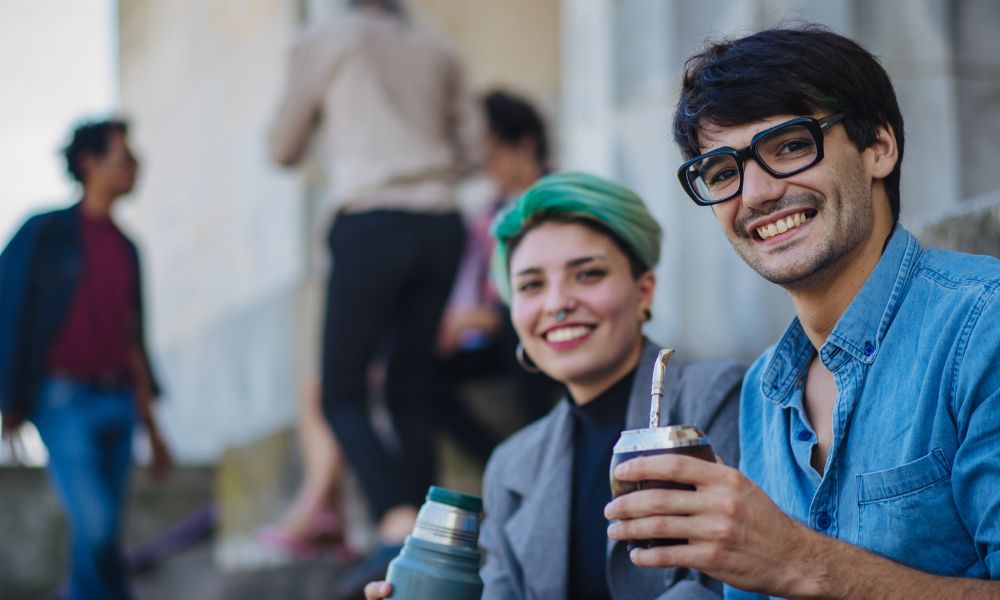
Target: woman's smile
(577,306)
(570,335)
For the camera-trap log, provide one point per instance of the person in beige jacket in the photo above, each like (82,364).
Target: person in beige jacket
(397,127)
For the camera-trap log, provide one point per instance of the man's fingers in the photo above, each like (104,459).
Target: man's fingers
(696,556)
(697,528)
(669,467)
(377,590)
(654,501)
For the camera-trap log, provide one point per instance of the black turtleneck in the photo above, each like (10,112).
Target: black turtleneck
(596,427)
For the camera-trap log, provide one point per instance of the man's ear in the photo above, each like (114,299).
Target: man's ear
(884,153)
(527,146)
(88,160)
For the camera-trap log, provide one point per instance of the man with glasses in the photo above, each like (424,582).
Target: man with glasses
(869,431)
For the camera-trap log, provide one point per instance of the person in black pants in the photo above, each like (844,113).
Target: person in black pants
(387,100)
(393,271)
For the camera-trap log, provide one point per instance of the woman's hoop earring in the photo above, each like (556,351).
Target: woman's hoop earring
(524,361)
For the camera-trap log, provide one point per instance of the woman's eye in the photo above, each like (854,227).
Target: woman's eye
(527,286)
(591,274)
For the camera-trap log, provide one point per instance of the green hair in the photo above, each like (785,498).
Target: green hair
(588,199)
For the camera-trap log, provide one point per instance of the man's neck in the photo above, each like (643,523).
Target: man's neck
(820,305)
(527,174)
(97,203)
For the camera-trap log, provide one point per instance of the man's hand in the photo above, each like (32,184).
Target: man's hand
(736,533)
(377,590)
(162,463)
(11,424)
(457,322)
(11,435)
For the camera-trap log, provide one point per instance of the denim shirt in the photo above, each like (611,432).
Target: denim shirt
(913,472)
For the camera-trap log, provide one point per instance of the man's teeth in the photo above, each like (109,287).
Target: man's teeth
(565,334)
(781,225)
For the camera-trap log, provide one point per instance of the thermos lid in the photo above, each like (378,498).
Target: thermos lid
(458,500)
(660,438)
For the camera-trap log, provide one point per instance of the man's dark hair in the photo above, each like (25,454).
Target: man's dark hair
(797,71)
(512,119)
(90,137)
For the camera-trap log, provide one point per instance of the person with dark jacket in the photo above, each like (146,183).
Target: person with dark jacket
(73,359)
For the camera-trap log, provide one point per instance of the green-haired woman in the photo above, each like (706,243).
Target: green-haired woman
(575,259)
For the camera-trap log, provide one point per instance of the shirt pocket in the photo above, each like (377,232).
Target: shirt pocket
(908,514)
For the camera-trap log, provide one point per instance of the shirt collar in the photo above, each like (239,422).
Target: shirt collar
(861,328)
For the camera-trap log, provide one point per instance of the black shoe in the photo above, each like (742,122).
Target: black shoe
(352,585)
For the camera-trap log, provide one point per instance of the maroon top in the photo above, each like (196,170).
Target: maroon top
(94,341)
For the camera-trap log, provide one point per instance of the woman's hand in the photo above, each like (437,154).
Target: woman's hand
(377,590)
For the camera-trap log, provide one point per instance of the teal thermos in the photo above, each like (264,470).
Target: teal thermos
(440,558)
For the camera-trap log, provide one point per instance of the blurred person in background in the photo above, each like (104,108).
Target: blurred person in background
(73,359)
(314,521)
(575,259)
(477,340)
(390,103)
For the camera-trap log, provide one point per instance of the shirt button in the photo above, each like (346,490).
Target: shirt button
(804,436)
(823,521)
(868,348)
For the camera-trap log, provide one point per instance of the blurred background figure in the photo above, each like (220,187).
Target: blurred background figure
(477,341)
(314,521)
(73,357)
(398,124)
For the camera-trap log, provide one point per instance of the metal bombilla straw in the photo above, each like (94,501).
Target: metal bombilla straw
(656,393)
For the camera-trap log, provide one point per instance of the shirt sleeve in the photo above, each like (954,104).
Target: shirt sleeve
(312,65)
(976,470)
(466,120)
(15,266)
(731,593)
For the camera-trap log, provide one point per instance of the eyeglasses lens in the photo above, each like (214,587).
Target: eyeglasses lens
(784,151)
(788,149)
(714,178)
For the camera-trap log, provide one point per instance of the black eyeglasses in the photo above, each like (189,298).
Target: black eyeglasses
(783,150)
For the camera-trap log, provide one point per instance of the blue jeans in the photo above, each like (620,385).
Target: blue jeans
(88,433)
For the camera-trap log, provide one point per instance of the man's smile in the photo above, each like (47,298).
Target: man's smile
(779,225)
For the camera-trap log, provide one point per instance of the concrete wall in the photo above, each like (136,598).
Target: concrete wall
(221,229)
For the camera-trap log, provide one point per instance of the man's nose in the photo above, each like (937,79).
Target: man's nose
(759,187)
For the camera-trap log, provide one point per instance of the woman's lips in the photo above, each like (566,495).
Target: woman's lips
(567,336)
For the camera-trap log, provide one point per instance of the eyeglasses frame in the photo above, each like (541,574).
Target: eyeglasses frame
(817,127)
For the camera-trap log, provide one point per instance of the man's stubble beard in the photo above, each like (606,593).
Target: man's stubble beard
(851,205)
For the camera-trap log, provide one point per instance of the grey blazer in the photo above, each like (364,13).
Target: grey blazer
(528,487)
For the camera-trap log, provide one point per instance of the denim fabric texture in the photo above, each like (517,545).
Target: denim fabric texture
(88,433)
(913,472)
